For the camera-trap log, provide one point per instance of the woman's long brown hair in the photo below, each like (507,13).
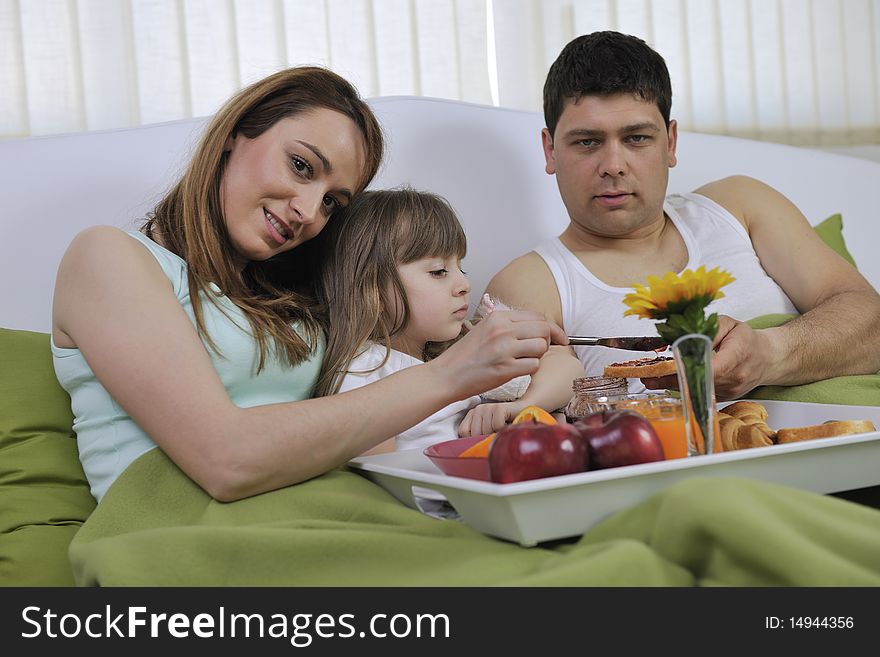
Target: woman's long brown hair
(278,293)
(359,282)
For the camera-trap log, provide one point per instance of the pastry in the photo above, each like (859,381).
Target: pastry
(826,430)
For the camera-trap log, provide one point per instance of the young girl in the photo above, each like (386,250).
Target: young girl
(398,296)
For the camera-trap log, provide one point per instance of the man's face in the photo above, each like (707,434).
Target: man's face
(611,156)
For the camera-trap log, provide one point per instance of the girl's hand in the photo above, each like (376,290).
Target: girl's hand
(489,417)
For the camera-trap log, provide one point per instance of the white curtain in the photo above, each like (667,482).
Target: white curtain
(795,71)
(73,65)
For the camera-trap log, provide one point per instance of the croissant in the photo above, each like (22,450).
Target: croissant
(743,425)
(740,408)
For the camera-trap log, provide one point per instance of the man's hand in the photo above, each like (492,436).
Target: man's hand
(741,358)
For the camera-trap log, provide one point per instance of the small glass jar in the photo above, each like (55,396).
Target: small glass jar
(589,389)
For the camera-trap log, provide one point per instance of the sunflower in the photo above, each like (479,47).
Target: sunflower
(680,299)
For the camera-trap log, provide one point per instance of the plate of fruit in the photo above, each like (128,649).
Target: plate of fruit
(534,445)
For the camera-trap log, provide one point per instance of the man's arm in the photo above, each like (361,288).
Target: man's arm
(527,283)
(836,333)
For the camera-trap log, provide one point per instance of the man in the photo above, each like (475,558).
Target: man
(610,143)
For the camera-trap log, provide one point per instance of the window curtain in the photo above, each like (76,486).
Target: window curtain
(805,72)
(74,65)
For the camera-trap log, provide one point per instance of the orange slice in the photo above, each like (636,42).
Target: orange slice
(480,450)
(535,414)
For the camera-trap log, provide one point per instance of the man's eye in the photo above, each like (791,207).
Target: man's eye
(587,142)
(638,139)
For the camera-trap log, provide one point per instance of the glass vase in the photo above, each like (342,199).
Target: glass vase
(693,362)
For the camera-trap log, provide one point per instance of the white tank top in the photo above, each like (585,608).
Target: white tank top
(713,238)
(109,439)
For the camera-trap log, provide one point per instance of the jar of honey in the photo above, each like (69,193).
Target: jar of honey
(588,389)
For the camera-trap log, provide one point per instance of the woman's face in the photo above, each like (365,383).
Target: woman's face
(279,189)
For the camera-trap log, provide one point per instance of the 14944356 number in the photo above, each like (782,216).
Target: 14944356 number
(826,622)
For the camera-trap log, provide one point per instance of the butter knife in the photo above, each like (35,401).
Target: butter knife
(642,343)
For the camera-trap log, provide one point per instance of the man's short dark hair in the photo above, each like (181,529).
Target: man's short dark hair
(603,64)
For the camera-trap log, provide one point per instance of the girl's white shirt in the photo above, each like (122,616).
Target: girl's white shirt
(367,367)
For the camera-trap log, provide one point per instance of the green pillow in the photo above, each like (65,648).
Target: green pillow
(831,232)
(44,495)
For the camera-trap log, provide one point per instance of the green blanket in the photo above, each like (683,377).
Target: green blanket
(157,528)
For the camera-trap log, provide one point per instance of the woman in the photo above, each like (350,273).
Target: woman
(221,384)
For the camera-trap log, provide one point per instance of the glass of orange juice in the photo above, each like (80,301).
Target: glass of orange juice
(663,412)
(667,417)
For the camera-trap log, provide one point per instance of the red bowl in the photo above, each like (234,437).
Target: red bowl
(445,456)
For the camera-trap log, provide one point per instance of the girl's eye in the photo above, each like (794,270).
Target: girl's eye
(301,166)
(462,271)
(439,273)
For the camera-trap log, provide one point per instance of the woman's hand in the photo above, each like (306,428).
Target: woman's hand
(505,345)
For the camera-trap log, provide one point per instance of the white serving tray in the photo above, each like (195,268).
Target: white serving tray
(529,512)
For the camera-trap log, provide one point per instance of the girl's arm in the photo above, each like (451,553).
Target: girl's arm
(550,389)
(113,302)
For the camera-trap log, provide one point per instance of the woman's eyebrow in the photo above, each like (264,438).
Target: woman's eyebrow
(325,163)
(317,151)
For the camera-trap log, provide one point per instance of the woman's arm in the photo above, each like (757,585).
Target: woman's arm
(113,302)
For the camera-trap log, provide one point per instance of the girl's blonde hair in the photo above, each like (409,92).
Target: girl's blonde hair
(359,282)
(279,292)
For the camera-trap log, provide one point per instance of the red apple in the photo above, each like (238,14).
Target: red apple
(530,450)
(618,437)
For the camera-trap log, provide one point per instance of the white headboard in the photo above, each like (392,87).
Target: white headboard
(487,161)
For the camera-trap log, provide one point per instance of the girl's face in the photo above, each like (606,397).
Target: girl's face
(279,189)
(437,292)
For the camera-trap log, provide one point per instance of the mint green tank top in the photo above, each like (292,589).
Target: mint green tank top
(109,440)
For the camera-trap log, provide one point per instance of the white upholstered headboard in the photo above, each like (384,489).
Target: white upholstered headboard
(487,161)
